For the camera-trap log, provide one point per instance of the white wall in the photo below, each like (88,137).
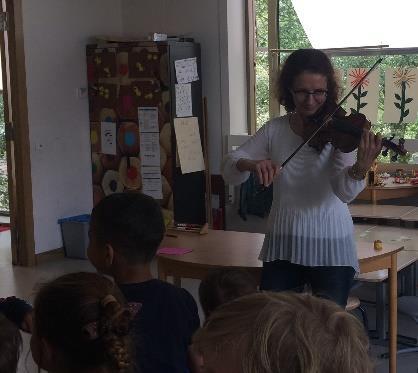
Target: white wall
(56,32)
(55,35)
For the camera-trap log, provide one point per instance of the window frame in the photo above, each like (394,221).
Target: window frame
(274,66)
(250,56)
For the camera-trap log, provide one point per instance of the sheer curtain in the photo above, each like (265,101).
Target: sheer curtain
(353,23)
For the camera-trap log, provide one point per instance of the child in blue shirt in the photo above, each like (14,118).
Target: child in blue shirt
(125,231)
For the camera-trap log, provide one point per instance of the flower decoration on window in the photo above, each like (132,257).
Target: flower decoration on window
(357,75)
(403,78)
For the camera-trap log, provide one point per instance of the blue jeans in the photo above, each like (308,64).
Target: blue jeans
(332,283)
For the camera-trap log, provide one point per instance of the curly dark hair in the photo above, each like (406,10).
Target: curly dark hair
(306,60)
(10,345)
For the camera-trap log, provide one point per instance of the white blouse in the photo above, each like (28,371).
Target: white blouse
(309,222)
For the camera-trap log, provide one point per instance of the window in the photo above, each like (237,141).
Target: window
(285,25)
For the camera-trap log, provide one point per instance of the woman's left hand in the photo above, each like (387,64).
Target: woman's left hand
(368,150)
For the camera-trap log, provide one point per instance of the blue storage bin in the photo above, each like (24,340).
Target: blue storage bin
(75,235)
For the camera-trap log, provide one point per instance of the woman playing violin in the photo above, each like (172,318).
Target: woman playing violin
(309,238)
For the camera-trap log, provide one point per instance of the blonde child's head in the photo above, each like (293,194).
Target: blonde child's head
(81,325)
(281,333)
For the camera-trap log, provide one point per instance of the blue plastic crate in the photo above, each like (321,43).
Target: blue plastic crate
(75,235)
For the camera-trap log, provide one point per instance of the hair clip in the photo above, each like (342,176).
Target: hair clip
(90,330)
(134,308)
(108,299)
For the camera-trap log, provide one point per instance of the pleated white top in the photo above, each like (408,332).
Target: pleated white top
(309,222)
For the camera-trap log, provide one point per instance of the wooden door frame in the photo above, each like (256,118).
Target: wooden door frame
(273,61)
(17,130)
(250,60)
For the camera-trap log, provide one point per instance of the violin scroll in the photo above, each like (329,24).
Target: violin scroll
(398,149)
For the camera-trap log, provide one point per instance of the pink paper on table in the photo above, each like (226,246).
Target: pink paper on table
(174,250)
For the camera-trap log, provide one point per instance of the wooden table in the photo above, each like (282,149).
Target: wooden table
(229,249)
(388,191)
(390,212)
(407,237)
(411,216)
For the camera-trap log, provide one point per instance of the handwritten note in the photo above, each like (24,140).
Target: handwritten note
(184,100)
(189,147)
(148,119)
(108,138)
(186,70)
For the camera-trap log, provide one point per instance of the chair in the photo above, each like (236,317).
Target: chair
(354,303)
(408,305)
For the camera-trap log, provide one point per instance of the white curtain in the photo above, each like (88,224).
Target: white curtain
(354,23)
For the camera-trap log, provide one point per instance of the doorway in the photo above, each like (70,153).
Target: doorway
(16,189)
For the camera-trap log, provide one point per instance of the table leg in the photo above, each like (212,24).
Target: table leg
(381,311)
(177,281)
(393,317)
(162,274)
(373,192)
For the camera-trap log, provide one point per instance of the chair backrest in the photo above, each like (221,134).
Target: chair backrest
(408,305)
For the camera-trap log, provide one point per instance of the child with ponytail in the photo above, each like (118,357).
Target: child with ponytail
(81,324)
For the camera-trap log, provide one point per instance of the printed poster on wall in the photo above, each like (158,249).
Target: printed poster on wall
(108,138)
(151,182)
(148,119)
(149,145)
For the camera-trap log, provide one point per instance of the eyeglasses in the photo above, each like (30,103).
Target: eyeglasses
(303,94)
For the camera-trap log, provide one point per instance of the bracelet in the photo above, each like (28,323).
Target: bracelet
(357,173)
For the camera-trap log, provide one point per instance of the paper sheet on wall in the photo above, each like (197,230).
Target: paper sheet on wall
(401,95)
(186,70)
(189,147)
(149,145)
(108,138)
(366,96)
(151,182)
(184,100)
(339,75)
(148,119)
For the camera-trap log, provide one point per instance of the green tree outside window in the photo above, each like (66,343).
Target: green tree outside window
(293,36)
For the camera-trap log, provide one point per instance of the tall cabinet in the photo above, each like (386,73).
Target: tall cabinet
(123,77)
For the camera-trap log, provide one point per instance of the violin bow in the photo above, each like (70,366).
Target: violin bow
(329,117)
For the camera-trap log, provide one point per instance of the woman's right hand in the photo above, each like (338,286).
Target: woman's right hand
(265,169)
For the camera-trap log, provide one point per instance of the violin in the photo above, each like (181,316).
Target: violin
(344,132)
(331,125)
